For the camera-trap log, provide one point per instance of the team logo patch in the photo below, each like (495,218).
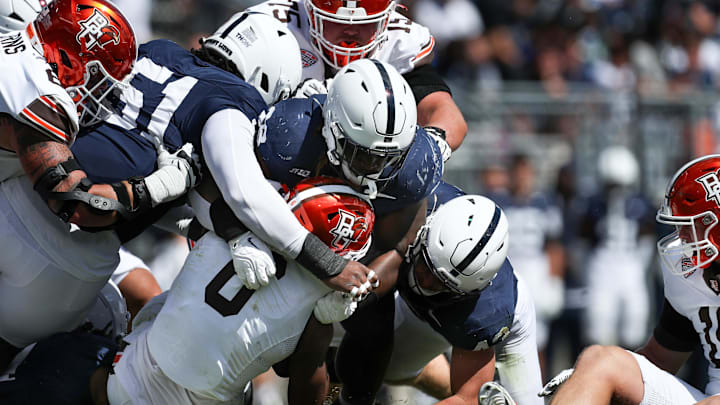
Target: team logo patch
(347,230)
(97,31)
(687,263)
(308,58)
(711,183)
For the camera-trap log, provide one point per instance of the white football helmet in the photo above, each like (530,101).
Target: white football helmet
(618,165)
(464,243)
(262,51)
(16,14)
(370,122)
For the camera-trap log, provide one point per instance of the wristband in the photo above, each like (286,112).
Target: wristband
(319,259)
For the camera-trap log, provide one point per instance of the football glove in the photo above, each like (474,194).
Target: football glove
(555,383)
(492,393)
(177,173)
(335,306)
(252,260)
(438,135)
(311,87)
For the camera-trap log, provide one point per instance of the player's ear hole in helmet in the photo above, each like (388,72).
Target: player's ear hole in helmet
(260,50)
(370,122)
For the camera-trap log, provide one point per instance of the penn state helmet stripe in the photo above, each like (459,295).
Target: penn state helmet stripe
(390,129)
(482,242)
(232,26)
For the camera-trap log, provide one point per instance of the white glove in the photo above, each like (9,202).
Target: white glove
(438,135)
(252,260)
(335,306)
(555,383)
(176,174)
(311,87)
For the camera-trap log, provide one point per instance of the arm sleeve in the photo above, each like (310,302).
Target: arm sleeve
(674,331)
(424,80)
(227,141)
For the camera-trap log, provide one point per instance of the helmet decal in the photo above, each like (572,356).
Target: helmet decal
(711,183)
(347,230)
(95,28)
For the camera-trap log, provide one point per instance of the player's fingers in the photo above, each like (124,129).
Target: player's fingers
(251,280)
(262,275)
(373,279)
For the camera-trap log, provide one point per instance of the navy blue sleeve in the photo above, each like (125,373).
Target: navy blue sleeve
(292,145)
(418,177)
(485,319)
(109,154)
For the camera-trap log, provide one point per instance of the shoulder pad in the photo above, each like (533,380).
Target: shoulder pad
(292,144)
(419,176)
(408,43)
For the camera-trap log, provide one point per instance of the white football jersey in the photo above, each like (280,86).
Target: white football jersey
(31,93)
(212,335)
(699,301)
(407,42)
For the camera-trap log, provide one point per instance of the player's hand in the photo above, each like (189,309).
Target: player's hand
(355,279)
(438,135)
(185,160)
(252,260)
(555,383)
(177,173)
(335,306)
(311,87)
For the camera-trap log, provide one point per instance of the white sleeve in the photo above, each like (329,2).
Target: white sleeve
(227,142)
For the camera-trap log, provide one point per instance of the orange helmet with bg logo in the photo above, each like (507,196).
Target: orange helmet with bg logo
(337,214)
(91,47)
(692,205)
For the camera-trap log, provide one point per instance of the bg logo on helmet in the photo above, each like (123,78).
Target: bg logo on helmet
(711,183)
(95,28)
(347,230)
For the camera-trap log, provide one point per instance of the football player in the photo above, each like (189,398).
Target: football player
(237,333)
(59,73)
(334,33)
(458,291)
(365,131)
(690,313)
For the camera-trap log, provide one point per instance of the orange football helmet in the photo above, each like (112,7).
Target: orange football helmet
(337,214)
(347,30)
(91,46)
(692,205)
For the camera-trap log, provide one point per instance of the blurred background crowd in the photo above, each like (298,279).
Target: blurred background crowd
(579,112)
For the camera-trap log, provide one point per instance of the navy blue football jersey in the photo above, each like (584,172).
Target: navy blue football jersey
(292,148)
(472,322)
(172,95)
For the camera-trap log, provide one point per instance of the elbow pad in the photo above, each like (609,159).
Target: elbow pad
(70,199)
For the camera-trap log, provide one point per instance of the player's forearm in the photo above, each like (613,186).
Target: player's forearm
(38,154)
(438,109)
(233,166)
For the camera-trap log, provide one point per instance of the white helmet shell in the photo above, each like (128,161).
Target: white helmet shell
(618,165)
(16,14)
(465,242)
(264,51)
(370,120)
